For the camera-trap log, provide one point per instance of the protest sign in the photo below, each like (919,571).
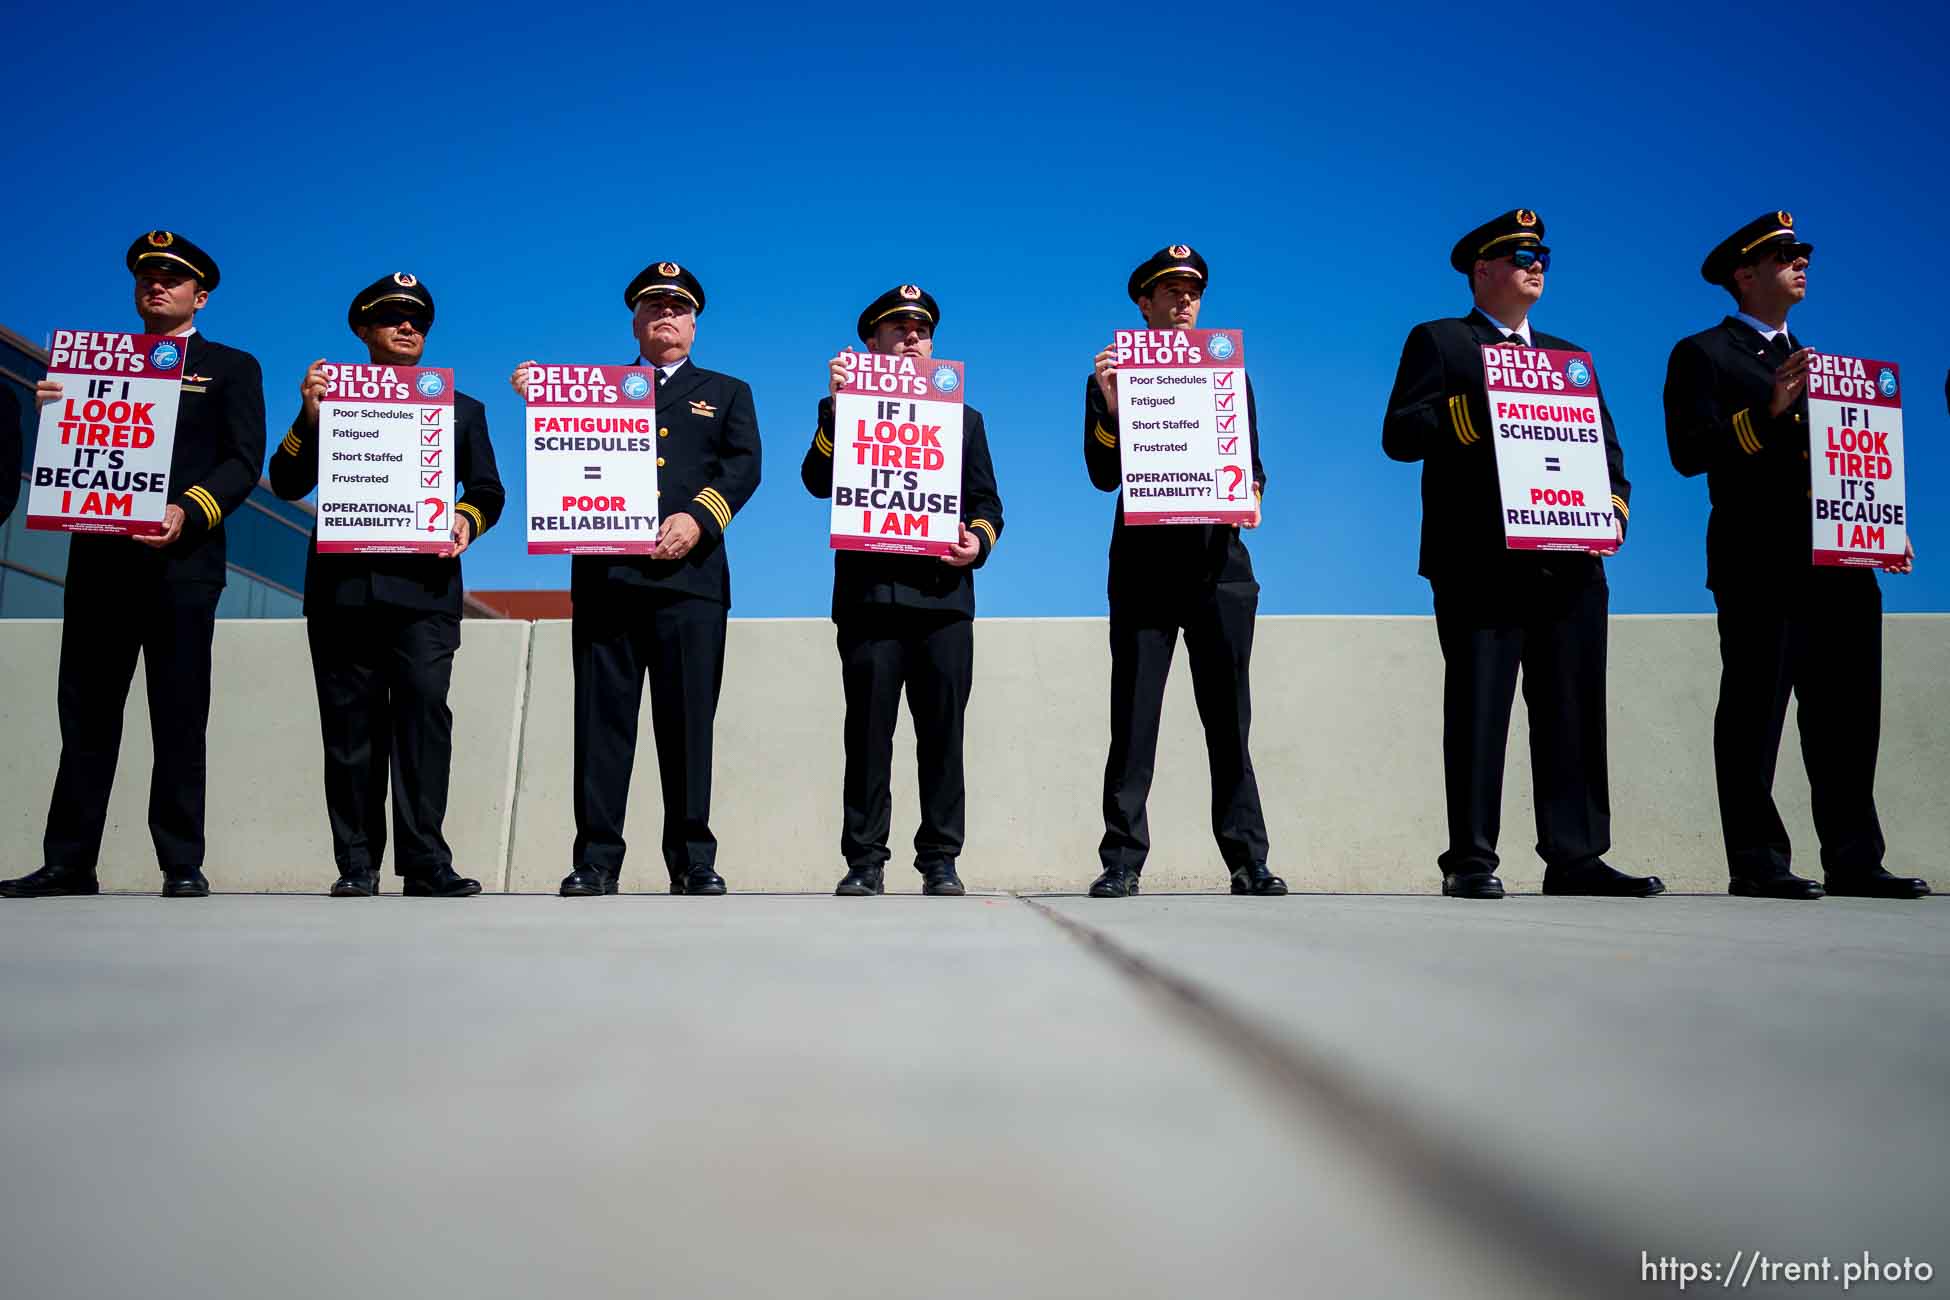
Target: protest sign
(386,460)
(1186,438)
(101,462)
(1856,488)
(592,460)
(897,426)
(1549,437)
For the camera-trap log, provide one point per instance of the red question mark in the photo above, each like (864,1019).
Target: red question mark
(439,511)
(1238,480)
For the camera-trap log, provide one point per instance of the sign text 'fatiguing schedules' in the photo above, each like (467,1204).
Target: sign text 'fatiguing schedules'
(1855,461)
(592,460)
(386,460)
(101,463)
(1549,436)
(1185,435)
(897,426)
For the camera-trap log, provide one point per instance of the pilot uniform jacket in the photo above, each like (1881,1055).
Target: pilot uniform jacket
(125,601)
(865,579)
(417,582)
(10,448)
(707,467)
(1438,414)
(218,455)
(1165,560)
(1719,384)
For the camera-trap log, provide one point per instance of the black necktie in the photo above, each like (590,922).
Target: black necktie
(1515,339)
(1779,348)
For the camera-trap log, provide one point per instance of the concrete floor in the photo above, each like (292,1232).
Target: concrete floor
(1171,1096)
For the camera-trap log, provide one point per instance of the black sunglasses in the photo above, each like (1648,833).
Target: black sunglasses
(397,317)
(1525,258)
(1789,254)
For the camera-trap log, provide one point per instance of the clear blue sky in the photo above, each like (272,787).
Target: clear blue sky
(527,162)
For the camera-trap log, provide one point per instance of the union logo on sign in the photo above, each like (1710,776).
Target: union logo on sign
(1886,382)
(164,356)
(635,387)
(1220,347)
(1579,374)
(946,380)
(430,385)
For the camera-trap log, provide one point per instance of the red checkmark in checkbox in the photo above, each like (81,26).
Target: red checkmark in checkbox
(429,478)
(1229,446)
(430,437)
(430,457)
(429,415)
(1223,378)
(1228,422)
(1224,400)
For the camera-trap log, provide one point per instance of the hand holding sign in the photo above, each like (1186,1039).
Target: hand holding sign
(311,389)
(1907,563)
(519,380)
(965,550)
(1107,377)
(463,536)
(1789,380)
(837,371)
(172,529)
(47,392)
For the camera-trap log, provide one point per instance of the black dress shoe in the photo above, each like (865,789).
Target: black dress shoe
(698,880)
(356,884)
(1599,880)
(185,882)
(1785,885)
(1472,884)
(1875,883)
(1116,882)
(443,882)
(587,882)
(1256,879)
(861,882)
(52,882)
(940,881)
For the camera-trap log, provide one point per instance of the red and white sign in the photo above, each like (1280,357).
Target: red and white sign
(386,460)
(1185,437)
(897,427)
(101,464)
(592,460)
(1549,434)
(1856,488)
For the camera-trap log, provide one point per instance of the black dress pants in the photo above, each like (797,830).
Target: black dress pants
(678,643)
(1217,620)
(1822,642)
(170,626)
(382,675)
(1554,628)
(931,655)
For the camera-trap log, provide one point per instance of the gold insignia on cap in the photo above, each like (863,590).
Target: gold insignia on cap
(1785,219)
(161,239)
(1525,217)
(667,268)
(404,280)
(1180,250)
(911,292)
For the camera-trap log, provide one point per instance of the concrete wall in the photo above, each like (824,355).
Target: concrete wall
(1346,741)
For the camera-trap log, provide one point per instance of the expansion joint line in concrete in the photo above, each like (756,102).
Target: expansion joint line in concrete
(512,780)
(1526,1224)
